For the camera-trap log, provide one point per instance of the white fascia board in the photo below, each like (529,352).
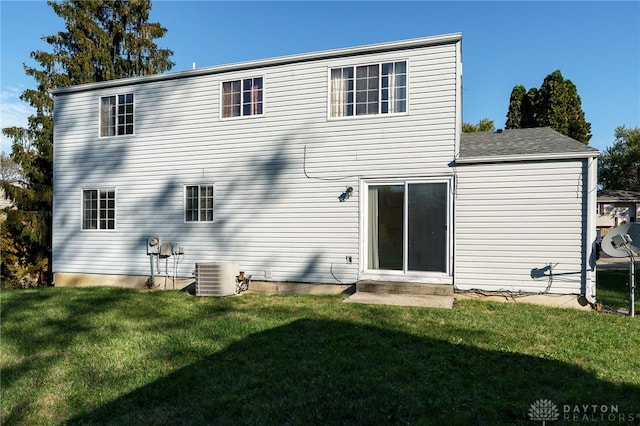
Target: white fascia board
(529,157)
(282,60)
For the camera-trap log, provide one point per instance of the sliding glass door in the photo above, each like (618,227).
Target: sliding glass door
(407,226)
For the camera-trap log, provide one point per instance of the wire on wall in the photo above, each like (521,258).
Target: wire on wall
(304,169)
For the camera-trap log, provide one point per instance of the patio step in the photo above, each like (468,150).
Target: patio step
(419,300)
(418,289)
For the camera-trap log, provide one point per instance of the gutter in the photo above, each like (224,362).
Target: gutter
(526,157)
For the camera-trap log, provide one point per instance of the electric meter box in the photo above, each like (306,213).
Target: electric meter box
(153,245)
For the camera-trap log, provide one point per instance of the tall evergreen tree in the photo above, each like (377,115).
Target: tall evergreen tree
(107,39)
(103,40)
(555,104)
(514,116)
(579,128)
(529,110)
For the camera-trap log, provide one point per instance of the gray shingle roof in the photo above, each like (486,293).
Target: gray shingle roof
(538,143)
(618,196)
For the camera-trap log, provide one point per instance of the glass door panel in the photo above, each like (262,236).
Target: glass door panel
(386,227)
(427,233)
(407,227)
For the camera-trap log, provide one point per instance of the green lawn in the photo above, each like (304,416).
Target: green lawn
(613,290)
(126,357)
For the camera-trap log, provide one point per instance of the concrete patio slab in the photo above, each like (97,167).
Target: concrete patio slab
(554,300)
(420,300)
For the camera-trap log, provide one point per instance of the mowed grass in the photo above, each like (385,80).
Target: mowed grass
(613,289)
(127,357)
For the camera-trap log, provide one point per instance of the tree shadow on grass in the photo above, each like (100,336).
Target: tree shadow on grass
(67,316)
(334,372)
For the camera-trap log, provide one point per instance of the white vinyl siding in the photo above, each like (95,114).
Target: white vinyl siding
(277,179)
(514,220)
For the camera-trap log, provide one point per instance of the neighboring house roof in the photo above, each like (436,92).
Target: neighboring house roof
(618,196)
(536,143)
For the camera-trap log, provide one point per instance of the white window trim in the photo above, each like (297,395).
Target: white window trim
(368,116)
(115,208)
(241,117)
(135,97)
(184,204)
(404,276)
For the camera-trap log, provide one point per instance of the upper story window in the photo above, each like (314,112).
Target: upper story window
(116,115)
(198,205)
(369,89)
(242,97)
(99,209)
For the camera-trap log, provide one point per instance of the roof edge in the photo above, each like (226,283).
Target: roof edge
(281,60)
(531,157)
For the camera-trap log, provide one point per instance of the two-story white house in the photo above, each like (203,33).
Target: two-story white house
(327,167)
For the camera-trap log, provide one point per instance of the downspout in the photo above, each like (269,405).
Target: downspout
(590,242)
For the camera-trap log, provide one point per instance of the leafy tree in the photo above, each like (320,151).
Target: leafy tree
(555,104)
(103,40)
(484,125)
(619,166)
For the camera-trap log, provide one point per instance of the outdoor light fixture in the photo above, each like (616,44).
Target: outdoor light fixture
(346,194)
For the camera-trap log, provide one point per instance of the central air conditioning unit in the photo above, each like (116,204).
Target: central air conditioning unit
(216,278)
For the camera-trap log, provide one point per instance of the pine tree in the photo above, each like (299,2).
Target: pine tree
(103,40)
(530,110)
(514,116)
(107,39)
(555,104)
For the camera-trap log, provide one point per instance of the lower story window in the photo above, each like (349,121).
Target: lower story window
(198,206)
(99,209)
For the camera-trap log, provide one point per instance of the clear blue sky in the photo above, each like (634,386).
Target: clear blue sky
(594,44)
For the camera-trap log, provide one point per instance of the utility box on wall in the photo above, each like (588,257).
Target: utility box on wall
(153,245)
(166,249)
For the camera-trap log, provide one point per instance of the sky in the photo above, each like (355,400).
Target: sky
(594,44)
